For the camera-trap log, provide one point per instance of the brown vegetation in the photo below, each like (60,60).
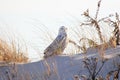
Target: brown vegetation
(10,53)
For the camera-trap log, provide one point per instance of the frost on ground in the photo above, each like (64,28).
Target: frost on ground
(62,67)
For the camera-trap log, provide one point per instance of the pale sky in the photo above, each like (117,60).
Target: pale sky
(25,16)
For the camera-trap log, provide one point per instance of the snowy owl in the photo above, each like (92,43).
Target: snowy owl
(58,45)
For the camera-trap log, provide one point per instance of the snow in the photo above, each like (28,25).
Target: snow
(61,67)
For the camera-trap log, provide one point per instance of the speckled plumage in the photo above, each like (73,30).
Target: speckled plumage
(58,45)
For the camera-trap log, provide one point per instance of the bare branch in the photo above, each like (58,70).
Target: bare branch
(98,8)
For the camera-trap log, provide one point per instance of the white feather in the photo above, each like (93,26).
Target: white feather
(58,45)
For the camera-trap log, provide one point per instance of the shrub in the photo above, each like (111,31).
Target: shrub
(11,53)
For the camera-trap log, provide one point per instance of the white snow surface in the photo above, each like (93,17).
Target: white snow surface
(62,67)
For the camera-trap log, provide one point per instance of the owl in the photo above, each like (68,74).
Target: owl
(58,45)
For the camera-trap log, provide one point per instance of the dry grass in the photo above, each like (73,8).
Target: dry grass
(90,21)
(94,70)
(91,64)
(10,53)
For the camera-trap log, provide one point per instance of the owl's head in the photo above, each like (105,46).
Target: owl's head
(62,30)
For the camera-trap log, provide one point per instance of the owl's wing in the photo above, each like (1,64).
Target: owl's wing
(58,40)
(56,43)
